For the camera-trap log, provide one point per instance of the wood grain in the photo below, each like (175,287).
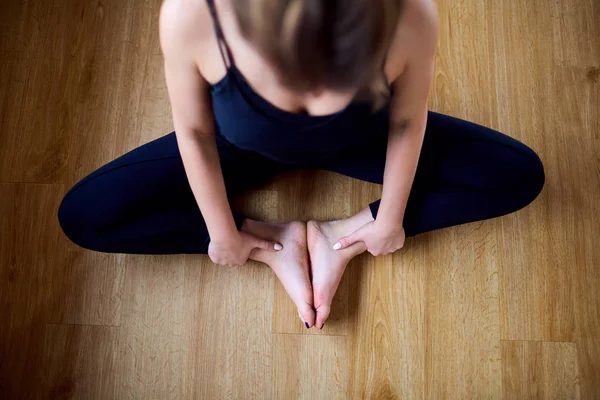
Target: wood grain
(228,312)
(540,370)
(386,317)
(84,287)
(588,352)
(309,367)
(463,318)
(151,337)
(568,48)
(550,228)
(155,108)
(501,309)
(78,361)
(28,251)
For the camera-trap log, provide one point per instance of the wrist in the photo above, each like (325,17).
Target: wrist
(224,236)
(390,216)
(387,225)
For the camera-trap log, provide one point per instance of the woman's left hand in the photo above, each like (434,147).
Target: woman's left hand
(379,239)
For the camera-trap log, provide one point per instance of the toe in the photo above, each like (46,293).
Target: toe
(301,293)
(324,293)
(306,313)
(322,315)
(323,299)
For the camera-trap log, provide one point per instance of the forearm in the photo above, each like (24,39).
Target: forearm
(404,149)
(201,161)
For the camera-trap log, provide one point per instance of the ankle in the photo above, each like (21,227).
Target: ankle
(356,221)
(252,226)
(364,216)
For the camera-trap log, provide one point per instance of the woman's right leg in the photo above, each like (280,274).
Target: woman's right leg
(141,203)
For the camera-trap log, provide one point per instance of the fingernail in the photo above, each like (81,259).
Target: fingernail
(306,324)
(277,246)
(337,246)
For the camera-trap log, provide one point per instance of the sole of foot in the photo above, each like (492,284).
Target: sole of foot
(291,264)
(328,265)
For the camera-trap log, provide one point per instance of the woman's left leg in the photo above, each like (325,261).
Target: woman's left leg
(466,173)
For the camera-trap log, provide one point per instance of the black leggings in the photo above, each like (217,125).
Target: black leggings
(142,203)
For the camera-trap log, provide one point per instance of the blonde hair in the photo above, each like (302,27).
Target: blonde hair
(337,44)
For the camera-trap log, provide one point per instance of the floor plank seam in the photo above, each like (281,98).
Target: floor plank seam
(535,341)
(94,325)
(32,183)
(302,334)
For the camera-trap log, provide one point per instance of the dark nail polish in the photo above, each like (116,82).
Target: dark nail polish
(322,326)
(307,327)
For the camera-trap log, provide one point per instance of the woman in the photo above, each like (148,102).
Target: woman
(262,86)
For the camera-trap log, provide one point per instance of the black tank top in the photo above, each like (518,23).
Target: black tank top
(248,121)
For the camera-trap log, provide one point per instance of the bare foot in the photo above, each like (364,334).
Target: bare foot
(290,264)
(328,265)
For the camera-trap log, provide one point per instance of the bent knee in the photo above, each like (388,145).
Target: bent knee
(530,180)
(78,220)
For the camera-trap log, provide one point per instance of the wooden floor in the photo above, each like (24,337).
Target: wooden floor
(508,308)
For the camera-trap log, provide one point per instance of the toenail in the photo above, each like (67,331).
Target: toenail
(307,326)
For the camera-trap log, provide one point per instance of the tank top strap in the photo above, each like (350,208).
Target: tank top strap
(223,46)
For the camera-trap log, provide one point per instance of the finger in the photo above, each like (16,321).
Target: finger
(348,240)
(268,245)
(322,315)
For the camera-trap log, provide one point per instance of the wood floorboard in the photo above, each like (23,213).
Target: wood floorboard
(507,308)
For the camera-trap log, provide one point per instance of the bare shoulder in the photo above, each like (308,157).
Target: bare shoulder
(185,27)
(416,36)
(421,21)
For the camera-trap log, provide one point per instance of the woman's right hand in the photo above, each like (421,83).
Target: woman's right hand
(236,250)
